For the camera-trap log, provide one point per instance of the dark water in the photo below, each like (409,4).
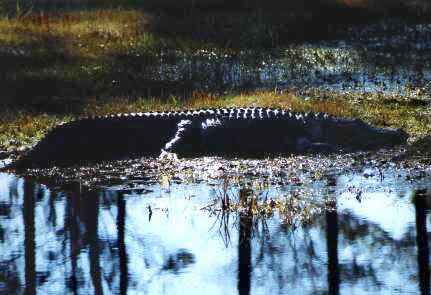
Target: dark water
(374,240)
(388,57)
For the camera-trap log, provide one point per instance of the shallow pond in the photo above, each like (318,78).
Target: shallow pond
(356,232)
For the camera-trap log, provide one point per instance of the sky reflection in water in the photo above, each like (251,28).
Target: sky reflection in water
(108,242)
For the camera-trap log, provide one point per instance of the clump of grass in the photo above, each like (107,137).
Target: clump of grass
(20,130)
(293,208)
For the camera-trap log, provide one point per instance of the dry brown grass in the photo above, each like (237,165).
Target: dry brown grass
(95,34)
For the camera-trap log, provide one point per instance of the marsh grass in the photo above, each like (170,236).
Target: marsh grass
(253,201)
(20,130)
(55,61)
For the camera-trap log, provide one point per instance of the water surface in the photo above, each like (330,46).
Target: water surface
(374,238)
(388,57)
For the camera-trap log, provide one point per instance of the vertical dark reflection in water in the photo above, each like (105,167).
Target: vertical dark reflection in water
(244,254)
(121,224)
(72,224)
(332,249)
(422,243)
(29,239)
(92,225)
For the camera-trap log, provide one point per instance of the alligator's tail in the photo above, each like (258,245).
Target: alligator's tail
(17,165)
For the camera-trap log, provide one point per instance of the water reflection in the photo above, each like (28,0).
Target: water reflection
(29,239)
(332,249)
(389,57)
(420,203)
(121,244)
(244,254)
(105,242)
(72,235)
(90,219)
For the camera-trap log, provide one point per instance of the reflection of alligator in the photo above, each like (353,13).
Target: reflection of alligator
(240,132)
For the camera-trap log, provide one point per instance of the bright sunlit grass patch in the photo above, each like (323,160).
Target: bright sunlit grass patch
(20,130)
(89,33)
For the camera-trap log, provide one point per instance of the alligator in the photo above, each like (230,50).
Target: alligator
(243,132)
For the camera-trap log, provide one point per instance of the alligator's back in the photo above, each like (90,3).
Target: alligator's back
(102,138)
(268,132)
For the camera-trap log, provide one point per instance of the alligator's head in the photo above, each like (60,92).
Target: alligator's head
(385,137)
(357,135)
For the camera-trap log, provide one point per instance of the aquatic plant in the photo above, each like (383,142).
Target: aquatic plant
(251,199)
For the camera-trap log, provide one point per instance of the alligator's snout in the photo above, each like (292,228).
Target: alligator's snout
(402,135)
(390,137)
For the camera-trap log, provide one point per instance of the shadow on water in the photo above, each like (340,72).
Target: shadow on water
(91,221)
(161,242)
(72,227)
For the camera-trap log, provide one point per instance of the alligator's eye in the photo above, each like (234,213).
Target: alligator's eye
(358,121)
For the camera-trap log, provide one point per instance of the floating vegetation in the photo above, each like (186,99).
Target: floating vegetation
(316,173)
(252,200)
